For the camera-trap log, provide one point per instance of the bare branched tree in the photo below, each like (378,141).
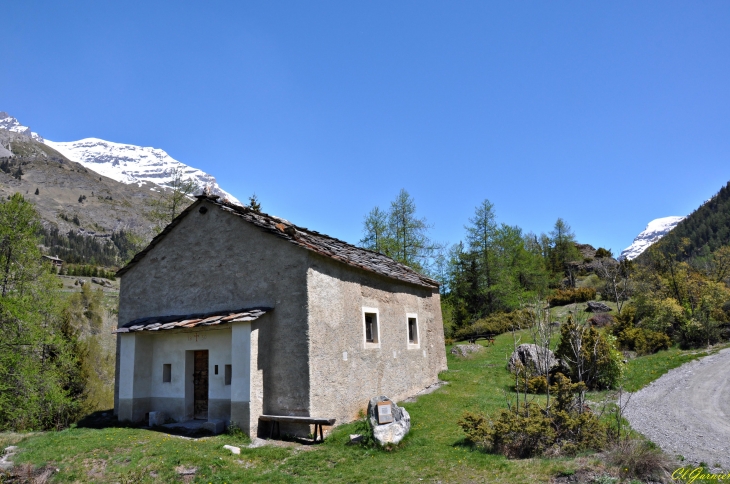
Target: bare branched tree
(616,276)
(173,199)
(542,332)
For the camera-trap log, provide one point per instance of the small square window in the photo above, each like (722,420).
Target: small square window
(166,373)
(228,374)
(216,369)
(413,331)
(371,327)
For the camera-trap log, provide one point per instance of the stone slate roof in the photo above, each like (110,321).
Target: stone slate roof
(192,320)
(305,238)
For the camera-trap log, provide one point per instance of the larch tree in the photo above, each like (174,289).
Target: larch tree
(376,234)
(563,250)
(174,198)
(400,233)
(411,244)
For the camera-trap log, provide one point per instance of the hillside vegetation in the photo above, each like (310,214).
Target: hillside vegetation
(85,217)
(700,234)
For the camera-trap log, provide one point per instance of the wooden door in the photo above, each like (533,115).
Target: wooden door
(200,384)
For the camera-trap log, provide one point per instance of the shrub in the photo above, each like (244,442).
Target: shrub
(534,385)
(514,433)
(529,430)
(696,334)
(601,252)
(578,429)
(496,323)
(589,355)
(562,297)
(640,459)
(643,341)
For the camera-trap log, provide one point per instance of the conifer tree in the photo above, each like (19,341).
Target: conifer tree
(253,203)
(400,233)
(376,232)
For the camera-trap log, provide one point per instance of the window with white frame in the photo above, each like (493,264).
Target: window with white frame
(371,327)
(412,330)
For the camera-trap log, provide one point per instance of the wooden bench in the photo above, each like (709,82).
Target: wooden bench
(487,336)
(317,422)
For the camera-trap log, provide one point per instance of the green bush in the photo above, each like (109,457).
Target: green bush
(537,385)
(589,355)
(562,297)
(643,341)
(601,252)
(530,431)
(696,334)
(514,433)
(496,323)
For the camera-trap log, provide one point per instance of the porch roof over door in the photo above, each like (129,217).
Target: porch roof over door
(157,323)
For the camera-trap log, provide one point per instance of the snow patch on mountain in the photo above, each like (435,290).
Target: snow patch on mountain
(654,231)
(9,123)
(134,164)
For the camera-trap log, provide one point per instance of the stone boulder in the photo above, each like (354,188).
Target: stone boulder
(602,320)
(389,433)
(101,282)
(531,356)
(463,350)
(596,307)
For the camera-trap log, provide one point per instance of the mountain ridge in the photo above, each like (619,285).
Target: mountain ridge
(125,163)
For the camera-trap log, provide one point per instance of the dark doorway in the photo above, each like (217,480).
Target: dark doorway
(200,385)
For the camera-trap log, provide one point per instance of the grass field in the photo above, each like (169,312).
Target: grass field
(433,451)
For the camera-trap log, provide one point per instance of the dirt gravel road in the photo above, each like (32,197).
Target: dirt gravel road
(687,411)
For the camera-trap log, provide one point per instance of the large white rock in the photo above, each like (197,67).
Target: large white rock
(391,433)
(532,357)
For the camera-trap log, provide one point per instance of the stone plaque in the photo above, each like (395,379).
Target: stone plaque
(385,412)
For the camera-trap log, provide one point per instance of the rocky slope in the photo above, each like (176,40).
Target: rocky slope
(656,229)
(108,205)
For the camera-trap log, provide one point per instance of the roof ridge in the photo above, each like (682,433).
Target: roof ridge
(317,242)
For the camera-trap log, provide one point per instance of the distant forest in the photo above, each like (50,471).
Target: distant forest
(703,232)
(76,248)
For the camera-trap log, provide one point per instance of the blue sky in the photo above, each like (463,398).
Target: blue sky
(608,114)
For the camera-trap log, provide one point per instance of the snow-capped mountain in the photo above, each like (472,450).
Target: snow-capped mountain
(133,164)
(122,162)
(654,231)
(9,123)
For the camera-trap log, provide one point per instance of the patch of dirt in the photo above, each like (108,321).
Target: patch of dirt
(96,468)
(585,475)
(187,473)
(26,473)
